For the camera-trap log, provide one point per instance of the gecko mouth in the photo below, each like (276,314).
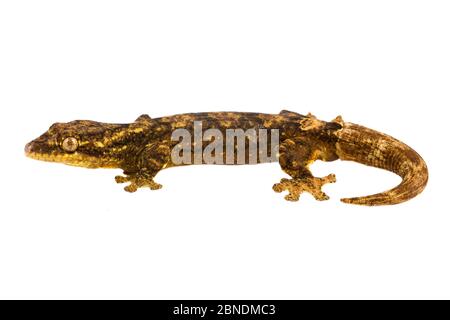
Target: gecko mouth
(37,152)
(72,159)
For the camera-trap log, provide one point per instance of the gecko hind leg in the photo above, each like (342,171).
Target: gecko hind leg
(138,180)
(297,186)
(295,158)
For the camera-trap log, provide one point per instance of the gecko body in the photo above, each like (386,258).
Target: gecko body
(146,146)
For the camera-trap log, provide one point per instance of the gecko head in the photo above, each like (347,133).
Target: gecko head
(79,143)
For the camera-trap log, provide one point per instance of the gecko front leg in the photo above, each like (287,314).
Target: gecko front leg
(295,157)
(150,161)
(139,180)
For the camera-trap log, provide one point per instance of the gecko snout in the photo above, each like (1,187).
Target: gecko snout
(32,148)
(28,148)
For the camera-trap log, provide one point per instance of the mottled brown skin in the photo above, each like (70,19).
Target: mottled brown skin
(143,148)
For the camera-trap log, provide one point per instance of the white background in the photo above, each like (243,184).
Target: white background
(213,231)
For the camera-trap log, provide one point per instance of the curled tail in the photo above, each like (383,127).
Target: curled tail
(375,149)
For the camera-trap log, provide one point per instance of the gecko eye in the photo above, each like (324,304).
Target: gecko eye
(70,144)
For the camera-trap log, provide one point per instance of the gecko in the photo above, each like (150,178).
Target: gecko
(145,147)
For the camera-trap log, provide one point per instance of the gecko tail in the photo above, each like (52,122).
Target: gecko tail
(375,149)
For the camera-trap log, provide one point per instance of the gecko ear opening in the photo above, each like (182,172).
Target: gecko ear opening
(143,118)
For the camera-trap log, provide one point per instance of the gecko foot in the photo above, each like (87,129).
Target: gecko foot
(138,181)
(297,186)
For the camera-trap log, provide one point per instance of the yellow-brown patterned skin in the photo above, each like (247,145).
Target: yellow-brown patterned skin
(143,148)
